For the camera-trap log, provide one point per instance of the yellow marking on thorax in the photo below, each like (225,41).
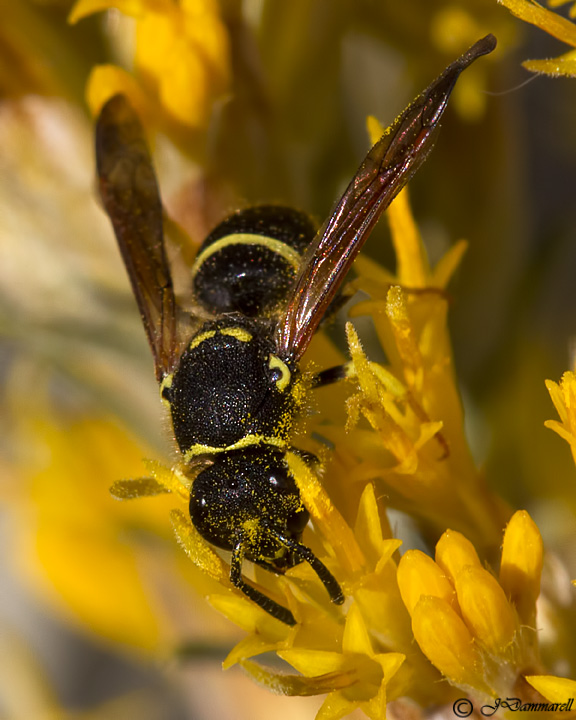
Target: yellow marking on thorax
(238,333)
(166,384)
(291,256)
(246,441)
(200,338)
(284,379)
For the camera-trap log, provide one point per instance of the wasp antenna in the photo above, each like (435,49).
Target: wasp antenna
(270,606)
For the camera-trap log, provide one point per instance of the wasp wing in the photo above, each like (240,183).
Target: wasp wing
(387,168)
(131,197)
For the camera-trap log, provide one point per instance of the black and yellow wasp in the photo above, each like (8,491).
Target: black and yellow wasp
(262,282)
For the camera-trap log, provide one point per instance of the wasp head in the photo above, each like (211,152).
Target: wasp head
(249,497)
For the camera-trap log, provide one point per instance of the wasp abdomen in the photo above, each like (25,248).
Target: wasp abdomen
(230,390)
(248,262)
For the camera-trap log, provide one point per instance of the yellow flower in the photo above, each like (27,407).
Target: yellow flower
(563,396)
(181,60)
(479,632)
(333,650)
(555,689)
(419,452)
(555,25)
(368,672)
(521,565)
(92,554)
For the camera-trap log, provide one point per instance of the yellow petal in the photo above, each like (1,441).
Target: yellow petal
(454,552)
(373,276)
(313,662)
(535,14)
(247,615)
(197,548)
(397,312)
(379,408)
(356,639)
(291,685)
(448,264)
(557,397)
(419,575)
(446,641)
(521,566)
(325,516)
(388,549)
(562,431)
(375,708)
(413,269)
(485,609)
(105,81)
(556,67)
(554,689)
(368,530)
(390,663)
(336,706)
(249,646)
(375,129)
(183,53)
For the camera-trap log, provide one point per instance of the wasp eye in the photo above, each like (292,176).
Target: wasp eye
(276,374)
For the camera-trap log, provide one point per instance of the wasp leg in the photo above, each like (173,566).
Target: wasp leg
(305,554)
(270,606)
(332,375)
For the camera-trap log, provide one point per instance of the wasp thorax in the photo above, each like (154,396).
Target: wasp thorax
(229,387)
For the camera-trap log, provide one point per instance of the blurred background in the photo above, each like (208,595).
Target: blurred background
(95,597)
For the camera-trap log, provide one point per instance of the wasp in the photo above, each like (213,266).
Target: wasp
(262,282)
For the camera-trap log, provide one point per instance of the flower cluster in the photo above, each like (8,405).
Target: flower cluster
(181,60)
(479,631)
